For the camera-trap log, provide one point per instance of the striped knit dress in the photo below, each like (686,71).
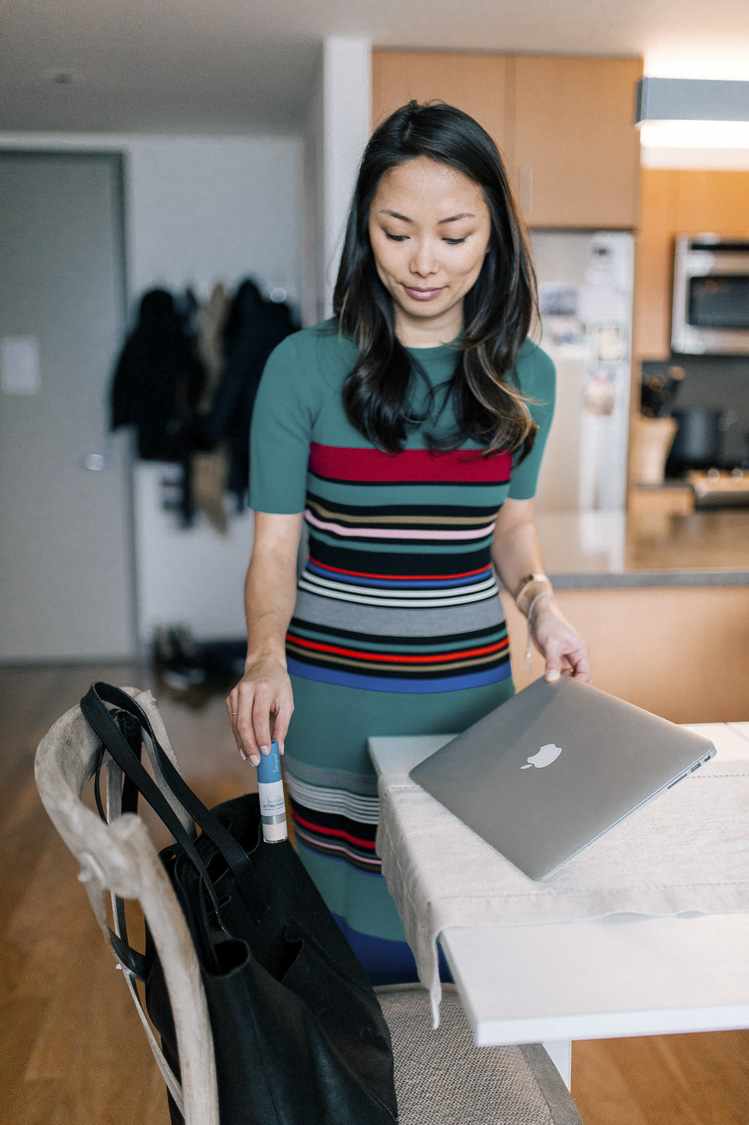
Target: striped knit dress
(398,627)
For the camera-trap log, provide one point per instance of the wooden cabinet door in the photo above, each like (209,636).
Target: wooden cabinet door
(577,152)
(654,263)
(710,200)
(474,83)
(678,201)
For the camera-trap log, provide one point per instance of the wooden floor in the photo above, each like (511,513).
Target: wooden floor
(72,1049)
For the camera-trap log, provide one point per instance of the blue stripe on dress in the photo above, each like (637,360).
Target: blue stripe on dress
(410,687)
(386,961)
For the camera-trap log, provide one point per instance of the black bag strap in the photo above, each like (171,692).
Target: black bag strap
(131,959)
(99,694)
(135,962)
(234,855)
(114,741)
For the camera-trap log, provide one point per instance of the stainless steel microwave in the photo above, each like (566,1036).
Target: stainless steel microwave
(711,295)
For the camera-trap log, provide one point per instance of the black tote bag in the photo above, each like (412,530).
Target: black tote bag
(299,1037)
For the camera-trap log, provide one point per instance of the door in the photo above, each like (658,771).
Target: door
(66,555)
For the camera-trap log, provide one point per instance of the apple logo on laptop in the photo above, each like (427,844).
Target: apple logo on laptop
(543,757)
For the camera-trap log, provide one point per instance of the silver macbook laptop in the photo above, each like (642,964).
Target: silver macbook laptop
(555,767)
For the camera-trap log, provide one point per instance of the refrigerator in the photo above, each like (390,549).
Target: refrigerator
(585,281)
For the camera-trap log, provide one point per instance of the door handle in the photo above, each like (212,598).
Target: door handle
(97,462)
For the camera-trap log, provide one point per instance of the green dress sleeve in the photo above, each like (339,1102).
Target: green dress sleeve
(537,379)
(281,432)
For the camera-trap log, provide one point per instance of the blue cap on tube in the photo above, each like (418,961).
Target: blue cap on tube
(269,769)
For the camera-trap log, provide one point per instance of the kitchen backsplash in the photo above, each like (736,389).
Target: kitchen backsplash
(715,382)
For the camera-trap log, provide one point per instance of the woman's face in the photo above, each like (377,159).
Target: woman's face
(429,227)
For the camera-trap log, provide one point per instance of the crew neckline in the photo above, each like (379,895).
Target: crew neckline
(431,348)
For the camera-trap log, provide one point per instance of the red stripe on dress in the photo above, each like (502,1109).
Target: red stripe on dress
(396,659)
(369,844)
(458,466)
(409,577)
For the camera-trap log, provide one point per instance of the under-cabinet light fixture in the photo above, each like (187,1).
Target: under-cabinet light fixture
(692,112)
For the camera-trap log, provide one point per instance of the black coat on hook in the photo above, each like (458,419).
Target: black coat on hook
(253,329)
(158,381)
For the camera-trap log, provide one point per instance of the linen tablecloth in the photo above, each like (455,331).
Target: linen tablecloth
(686,851)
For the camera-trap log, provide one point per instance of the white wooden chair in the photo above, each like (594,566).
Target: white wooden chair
(120,859)
(441,1077)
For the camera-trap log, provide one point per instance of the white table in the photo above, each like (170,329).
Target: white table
(608,977)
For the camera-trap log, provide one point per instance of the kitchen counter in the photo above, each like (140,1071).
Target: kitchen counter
(662,602)
(612,549)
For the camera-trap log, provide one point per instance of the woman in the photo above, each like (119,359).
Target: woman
(407,434)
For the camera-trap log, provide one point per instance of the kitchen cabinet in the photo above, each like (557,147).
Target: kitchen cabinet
(475,83)
(678,201)
(654,267)
(672,499)
(644,647)
(712,201)
(577,153)
(662,602)
(564,125)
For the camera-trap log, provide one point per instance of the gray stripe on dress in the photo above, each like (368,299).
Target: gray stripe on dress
(387,622)
(362,784)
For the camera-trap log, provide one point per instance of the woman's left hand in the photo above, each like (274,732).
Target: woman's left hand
(566,654)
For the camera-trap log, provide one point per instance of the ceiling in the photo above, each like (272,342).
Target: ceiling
(246,66)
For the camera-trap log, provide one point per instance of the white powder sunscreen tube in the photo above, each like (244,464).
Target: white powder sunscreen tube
(270,792)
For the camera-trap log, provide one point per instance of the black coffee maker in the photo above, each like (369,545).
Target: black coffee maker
(699,439)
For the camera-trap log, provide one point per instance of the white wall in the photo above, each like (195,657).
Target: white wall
(338,128)
(202,210)
(314,296)
(193,577)
(197,210)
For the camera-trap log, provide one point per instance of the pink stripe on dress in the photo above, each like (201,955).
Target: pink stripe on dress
(391,533)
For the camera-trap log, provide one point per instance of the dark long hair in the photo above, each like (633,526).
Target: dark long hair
(487,402)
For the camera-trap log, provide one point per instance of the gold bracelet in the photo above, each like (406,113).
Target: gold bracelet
(529,580)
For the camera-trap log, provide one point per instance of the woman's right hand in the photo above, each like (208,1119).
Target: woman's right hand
(270,592)
(264,690)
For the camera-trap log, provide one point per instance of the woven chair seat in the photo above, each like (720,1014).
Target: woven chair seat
(442,1078)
